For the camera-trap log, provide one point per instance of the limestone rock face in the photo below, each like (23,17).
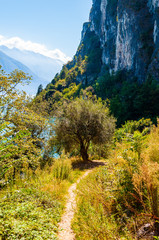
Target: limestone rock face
(128,33)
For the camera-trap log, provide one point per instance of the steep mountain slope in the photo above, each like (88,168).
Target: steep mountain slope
(121,35)
(117,59)
(9,64)
(44,67)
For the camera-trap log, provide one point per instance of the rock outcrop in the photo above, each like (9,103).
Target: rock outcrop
(128,35)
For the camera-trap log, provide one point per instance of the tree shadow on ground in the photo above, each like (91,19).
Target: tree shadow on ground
(81,165)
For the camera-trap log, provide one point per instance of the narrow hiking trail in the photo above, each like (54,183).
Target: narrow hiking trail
(65,231)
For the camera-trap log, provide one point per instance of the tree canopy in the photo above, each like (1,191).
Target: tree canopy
(20,127)
(82,122)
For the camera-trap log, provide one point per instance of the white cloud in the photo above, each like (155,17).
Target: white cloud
(16,42)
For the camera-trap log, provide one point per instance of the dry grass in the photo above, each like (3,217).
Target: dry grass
(116,200)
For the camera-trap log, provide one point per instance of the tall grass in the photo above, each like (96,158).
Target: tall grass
(32,205)
(115,201)
(146,180)
(62,169)
(94,218)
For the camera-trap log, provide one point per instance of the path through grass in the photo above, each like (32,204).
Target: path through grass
(65,230)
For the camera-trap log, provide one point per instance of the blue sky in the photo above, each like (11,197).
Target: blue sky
(56,24)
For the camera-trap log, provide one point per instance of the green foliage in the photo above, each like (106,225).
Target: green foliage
(92,49)
(81,122)
(63,73)
(32,207)
(129,100)
(75,75)
(21,128)
(143,126)
(40,89)
(72,91)
(130,140)
(64,86)
(28,214)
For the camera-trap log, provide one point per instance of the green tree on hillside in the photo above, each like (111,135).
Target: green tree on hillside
(82,122)
(40,89)
(20,127)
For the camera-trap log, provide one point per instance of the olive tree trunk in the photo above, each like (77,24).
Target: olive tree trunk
(84,153)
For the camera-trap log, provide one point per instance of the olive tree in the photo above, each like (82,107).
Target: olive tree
(82,122)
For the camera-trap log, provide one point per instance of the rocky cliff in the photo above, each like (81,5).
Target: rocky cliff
(127,34)
(117,59)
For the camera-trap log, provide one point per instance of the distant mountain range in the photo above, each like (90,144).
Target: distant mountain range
(41,68)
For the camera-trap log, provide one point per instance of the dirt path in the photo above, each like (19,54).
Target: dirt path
(65,231)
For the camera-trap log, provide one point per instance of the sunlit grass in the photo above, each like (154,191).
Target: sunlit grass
(31,206)
(94,218)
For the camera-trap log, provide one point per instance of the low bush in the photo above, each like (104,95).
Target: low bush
(28,213)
